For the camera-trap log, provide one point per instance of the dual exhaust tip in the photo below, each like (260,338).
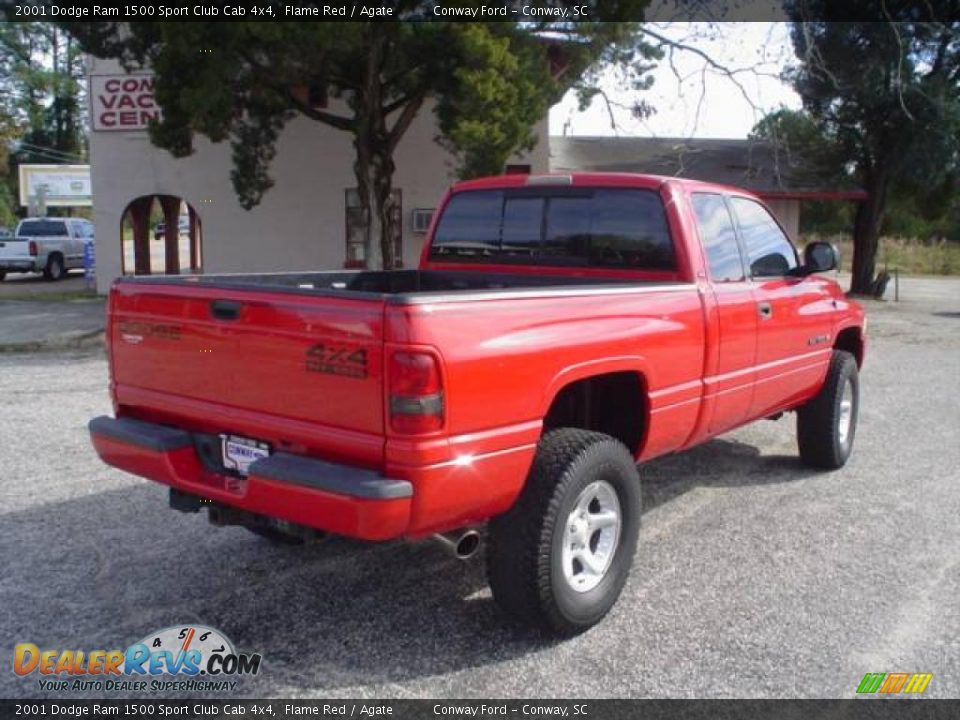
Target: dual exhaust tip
(462,544)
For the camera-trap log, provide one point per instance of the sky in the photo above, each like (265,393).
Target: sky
(724,112)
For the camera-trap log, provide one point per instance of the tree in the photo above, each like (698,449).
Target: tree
(41,101)
(487,83)
(796,138)
(888,95)
(802,149)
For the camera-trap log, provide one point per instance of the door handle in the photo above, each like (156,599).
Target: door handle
(765,309)
(225,309)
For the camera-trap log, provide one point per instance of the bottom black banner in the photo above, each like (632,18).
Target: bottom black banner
(483,709)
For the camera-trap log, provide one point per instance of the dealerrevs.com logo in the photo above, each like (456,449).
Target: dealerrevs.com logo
(194,656)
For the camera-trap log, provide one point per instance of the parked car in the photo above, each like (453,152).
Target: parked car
(183,225)
(50,245)
(560,330)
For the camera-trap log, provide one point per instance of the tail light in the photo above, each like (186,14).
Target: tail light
(416,395)
(33,248)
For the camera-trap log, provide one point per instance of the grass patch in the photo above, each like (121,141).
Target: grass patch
(910,256)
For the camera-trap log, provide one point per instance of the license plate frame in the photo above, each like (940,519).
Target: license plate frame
(238,453)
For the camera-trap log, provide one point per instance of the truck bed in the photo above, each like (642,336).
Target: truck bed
(297,360)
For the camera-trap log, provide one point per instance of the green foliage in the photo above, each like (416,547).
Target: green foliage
(796,133)
(886,93)
(496,94)
(887,97)
(41,103)
(488,84)
(813,155)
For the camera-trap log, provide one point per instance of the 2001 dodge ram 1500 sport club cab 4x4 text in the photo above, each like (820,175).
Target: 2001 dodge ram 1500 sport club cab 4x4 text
(560,330)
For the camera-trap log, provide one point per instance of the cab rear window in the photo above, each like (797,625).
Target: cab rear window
(596,227)
(41,228)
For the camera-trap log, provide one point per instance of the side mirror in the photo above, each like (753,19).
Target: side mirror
(820,257)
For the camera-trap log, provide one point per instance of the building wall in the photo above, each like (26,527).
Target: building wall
(300,223)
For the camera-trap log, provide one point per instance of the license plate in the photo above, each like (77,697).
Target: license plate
(239,452)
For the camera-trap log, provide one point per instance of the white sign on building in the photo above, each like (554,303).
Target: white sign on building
(122,102)
(58,185)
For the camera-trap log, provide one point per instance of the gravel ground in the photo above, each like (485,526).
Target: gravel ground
(755,577)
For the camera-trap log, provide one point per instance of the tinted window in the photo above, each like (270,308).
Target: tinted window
(41,228)
(470,225)
(568,228)
(520,233)
(718,236)
(584,227)
(769,252)
(629,228)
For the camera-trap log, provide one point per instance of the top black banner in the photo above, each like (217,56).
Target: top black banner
(491,11)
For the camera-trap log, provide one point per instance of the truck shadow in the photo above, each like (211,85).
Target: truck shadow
(105,569)
(719,463)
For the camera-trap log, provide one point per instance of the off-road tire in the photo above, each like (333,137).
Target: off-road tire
(524,564)
(55,269)
(818,421)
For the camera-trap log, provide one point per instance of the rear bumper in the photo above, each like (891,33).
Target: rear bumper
(336,498)
(19,265)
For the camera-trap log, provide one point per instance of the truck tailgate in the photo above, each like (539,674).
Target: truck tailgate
(15,249)
(300,372)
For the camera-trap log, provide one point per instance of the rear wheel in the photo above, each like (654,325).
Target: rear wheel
(827,424)
(560,556)
(55,269)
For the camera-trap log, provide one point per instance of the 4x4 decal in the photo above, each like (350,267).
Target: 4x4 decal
(337,360)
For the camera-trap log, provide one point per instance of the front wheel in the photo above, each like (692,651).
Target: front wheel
(560,556)
(827,424)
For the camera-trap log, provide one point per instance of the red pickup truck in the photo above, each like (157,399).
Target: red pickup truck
(560,330)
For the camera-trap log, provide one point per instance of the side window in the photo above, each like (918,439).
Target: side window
(718,236)
(769,251)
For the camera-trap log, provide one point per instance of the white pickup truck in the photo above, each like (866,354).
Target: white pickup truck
(48,245)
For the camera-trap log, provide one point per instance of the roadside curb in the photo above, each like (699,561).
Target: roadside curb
(68,341)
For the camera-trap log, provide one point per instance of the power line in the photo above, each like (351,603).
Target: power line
(53,158)
(50,152)
(48,149)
